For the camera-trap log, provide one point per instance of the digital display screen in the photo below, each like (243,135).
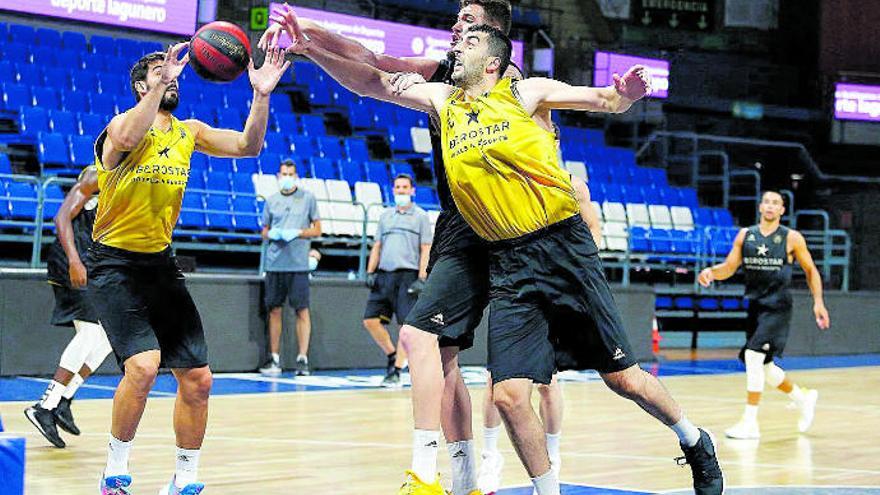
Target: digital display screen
(607,64)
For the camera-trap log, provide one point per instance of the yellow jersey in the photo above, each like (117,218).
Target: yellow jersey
(139,200)
(502,167)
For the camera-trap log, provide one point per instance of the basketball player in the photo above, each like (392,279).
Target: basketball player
(143,160)
(551,306)
(452,304)
(67,276)
(766,251)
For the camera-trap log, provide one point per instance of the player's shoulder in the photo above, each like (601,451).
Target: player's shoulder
(794,235)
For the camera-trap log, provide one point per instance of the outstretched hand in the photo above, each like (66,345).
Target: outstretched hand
(635,84)
(173,65)
(287,21)
(267,76)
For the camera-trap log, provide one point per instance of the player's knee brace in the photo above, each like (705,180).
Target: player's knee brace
(774,374)
(754,370)
(77,349)
(100,346)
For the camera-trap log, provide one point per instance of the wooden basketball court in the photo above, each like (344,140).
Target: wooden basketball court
(357,442)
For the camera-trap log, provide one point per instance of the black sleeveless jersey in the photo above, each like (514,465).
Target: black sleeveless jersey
(768,272)
(57,266)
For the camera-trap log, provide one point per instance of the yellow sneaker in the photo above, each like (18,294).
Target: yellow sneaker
(415,486)
(476,492)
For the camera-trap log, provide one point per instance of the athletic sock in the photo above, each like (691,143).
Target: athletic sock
(797,394)
(553,445)
(424,459)
(73,386)
(751,413)
(187,467)
(464,469)
(276,358)
(303,358)
(546,484)
(117,457)
(52,395)
(391,358)
(490,439)
(688,434)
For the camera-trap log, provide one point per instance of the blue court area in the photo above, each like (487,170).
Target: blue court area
(750,490)
(102,387)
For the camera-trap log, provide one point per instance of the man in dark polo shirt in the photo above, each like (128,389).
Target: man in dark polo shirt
(290,220)
(397,270)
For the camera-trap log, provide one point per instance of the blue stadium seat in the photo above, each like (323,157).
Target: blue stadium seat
(398,168)
(363,115)
(344,98)
(246,214)
(114,84)
(384,114)
(689,197)
(203,113)
(661,240)
(426,197)
(352,171)
(657,177)
(196,178)
(92,124)
(269,162)
(229,118)
(218,181)
(103,45)
(222,165)
(242,184)
(16,96)
(683,242)
(44,57)
(280,103)
(239,99)
(400,139)
(312,125)
(218,210)
(703,217)
(639,238)
(17,53)
(324,168)
(246,166)
(684,302)
(75,101)
(82,150)
(199,162)
(130,48)
(84,80)
(663,302)
(731,304)
(53,199)
(723,217)
(102,104)
(330,147)
(30,75)
(74,41)
(57,77)
(47,98)
(320,95)
(22,200)
(410,118)
(25,35)
(63,122)
(94,62)
(378,172)
(277,143)
(306,73)
(357,149)
(5,165)
(635,194)
(708,303)
(8,72)
(302,146)
(287,123)
(192,214)
(34,120)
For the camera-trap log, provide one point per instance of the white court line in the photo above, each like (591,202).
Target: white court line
(96,387)
(746,487)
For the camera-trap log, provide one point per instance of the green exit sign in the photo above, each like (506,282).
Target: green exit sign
(259,18)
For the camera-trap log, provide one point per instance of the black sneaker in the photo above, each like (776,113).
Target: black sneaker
(44,420)
(392,379)
(708,479)
(64,417)
(302,367)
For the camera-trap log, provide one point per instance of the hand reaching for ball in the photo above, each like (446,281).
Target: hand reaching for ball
(635,84)
(173,65)
(266,77)
(286,20)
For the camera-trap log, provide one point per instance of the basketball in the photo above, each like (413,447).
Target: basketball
(219,51)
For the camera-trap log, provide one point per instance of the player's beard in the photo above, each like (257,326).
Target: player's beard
(170,101)
(467,77)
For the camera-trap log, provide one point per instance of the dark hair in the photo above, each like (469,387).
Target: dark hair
(773,191)
(404,176)
(499,44)
(286,163)
(498,12)
(140,69)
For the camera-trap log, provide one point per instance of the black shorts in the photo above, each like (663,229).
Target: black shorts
(71,304)
(767,331)
(390,297)
(551,307)
(293,286)
(454,298)
(143,304)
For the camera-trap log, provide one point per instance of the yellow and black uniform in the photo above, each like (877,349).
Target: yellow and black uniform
(71,304)
(134,280)
(550,304)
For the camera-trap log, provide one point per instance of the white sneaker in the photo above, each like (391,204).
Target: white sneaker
(808,410)
(744,430)
(271,369)
(489,478)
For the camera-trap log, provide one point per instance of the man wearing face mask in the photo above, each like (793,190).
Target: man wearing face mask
(396,271)
(290,219)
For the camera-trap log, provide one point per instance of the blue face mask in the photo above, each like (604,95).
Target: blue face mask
(402,200)
(286,183)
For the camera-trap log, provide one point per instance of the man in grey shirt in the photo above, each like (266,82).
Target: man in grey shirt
(397,270)
(290,219)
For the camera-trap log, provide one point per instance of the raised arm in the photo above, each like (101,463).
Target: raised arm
(230,143)
(346,47)
(76,198)
(548,94)
(729,266)
(814,279)
(126,130)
